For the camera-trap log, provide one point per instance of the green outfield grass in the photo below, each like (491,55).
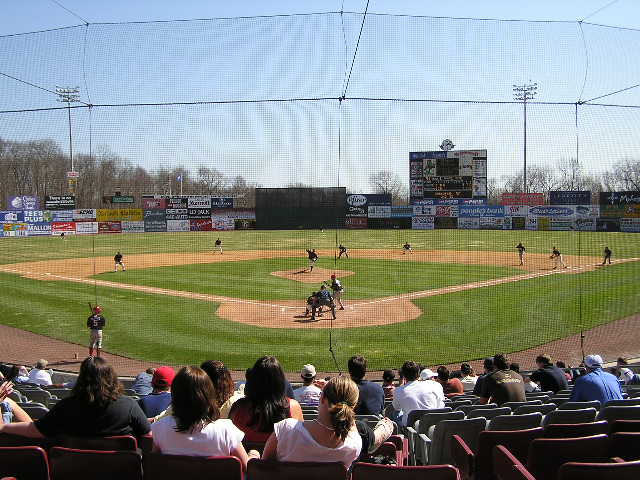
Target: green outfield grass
(453,327)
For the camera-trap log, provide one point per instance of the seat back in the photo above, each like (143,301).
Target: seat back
(515,422)
(9,440)
(514,405)
(37,395)
(145,443)
(579,405)
(517,442)
(117,442)
(570,416)
(508,467)
(625,445)
(60,392)
(457,402)
(468,430)
(35,412)
(98,465)
(543,409)
(628,402)
(415,415)
(546,455)
(624,426)
(272,470)
(369,471)
(25,463)
(169,467)
(468,408)
(619,413)
(428,420)
(599,471)
(489,413)
(573,430)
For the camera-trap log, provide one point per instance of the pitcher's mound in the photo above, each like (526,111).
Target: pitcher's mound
(318,275)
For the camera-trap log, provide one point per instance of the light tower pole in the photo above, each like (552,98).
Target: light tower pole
(68,95)
(522,93)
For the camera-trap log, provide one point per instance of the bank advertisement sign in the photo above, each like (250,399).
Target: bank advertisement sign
(11,217)
(567,197)
(23,202)
(38,229)
(481,211)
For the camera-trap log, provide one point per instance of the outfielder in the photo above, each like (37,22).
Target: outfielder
(407,248)
(556,256)
(343,251)
(96,323)
(521,252)
(313,258)
(337,289)
(219,245)
(118,261)
(607,256)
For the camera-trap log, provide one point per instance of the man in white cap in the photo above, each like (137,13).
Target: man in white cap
(596,384)
(416,395)
(308,393)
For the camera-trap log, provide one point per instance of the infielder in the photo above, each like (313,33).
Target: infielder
(343,251)
(607,256)
(556,256)
(219,245)
(324,299)
(118,261)
(337,289)
(407,248)
(521,252)
(313,258)
(95,324)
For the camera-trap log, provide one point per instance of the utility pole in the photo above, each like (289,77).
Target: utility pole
(522,93)
(68,95)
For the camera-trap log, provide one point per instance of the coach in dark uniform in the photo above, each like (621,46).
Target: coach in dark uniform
(521,252)
(607,255)
(95,324)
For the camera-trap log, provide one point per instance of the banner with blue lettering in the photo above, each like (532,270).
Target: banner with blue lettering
(481,211)
(38,229)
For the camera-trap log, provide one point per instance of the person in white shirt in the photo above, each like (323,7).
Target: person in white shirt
(469,378)
(308,393)
(194,428)
(625,374)
(332,437)
(39,375)
(416,395)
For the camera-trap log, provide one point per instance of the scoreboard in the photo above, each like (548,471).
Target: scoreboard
(448,174)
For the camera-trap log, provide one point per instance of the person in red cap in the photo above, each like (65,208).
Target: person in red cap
(160,398)
(95,324)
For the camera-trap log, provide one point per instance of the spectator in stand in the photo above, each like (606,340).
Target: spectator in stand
(451,386)
(18,374)
(388,376)
(96,407)
(548,376)
(415,395)
(469,378)
(332,437)
(596,384)
(308,393)
(488,368)
(195,427)
(265,402)
(425,373)
(160,398)
(562,366)
(11,411)
(223,386)
(625,374)
(142,383)
(503,384)
(371,397)
(39,375)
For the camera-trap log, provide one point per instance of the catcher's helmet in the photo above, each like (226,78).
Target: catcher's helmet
(333,277)
(97,309)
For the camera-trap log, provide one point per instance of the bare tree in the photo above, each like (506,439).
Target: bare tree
(386,182)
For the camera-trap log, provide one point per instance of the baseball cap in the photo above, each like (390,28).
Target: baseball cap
(426,374)
(308,371)
(593,361)
(163,377)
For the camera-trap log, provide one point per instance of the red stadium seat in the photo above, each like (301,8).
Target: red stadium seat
(69,463)
(508,467)
(573,430)
(118,442)
(25,463)
(169,467)
(369,471)
(625,445)
(599,471)
(272,470)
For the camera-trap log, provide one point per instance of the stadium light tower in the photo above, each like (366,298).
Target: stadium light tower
(523,93)
(68,95)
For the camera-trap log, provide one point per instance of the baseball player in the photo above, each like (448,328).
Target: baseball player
(313,258)
(324,299)
(407,248)
(343,251)
(95,324)
(219,245)
(312,303)
(521,252)
(337,289)
(556,256)
(118,261)
(607,255)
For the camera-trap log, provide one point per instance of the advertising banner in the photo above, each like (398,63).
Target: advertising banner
(468,223)
(131,214)
(429,210)
(199,213)
(178,225)
(14,229)
(198,201)
(110,227)
(585,224)
(155,221)
(555,211)
(479,187)
(122,199)
(402,211)
(177,202)
(86,228)
(62,216)
(630,211)
(607,225)
(84,215)
(23,202)
(222,224)
(132,226)
(11,217)
(566,197)
(532,223)
(447,210)
(379,211)
(38,229)
(68,228)
(619,198)
(491,223)
(416,188)
(352,211)
(154,203)
(237,213)
(516,210)
(59,202)
(479,167)
(630,225)
(118,214)
(201,225)
(221,202)
(445,222)
(481,211)
(355,222)
(506,223)
(423,222)
(466,166)
(612,211)
(530,199)
(561,224)
(177,214)
(587,211)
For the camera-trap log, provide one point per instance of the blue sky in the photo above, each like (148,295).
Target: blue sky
(305,57)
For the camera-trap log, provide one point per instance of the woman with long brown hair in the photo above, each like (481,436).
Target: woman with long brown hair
(225,393)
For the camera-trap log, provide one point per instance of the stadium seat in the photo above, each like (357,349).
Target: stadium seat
(9,440)
(436,449)
(59,392)
(456,403)
(624,426)
(34,411)
(625,445)
(629,402)
(573,430)
(546,455)
(368,471)
(423,426)
(570,416)
(272,470)
(37,395)
(169,467)
(24,463)
(579,405)
(515,422)
(611,414)
(599,471)
(489,413)
(370,420)
(543,409)
(508,467)
(118,442)
(145,443)
(66,463)
(514,405)
(415,415)
(468,408)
